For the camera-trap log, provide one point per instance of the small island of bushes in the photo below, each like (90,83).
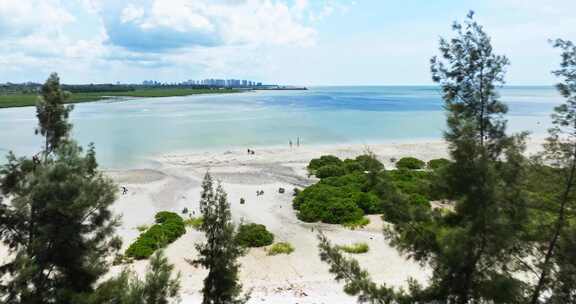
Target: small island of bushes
(351,188)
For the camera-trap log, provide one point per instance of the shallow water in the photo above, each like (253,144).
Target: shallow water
(126,133)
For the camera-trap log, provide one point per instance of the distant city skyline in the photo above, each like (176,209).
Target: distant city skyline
(219,82)
(294,42)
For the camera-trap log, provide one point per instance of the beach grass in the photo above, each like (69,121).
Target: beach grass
(355,248)
(30,99)
(357,224)
(280,248)
(194,222)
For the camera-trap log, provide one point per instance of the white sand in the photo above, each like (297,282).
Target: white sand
(297,278)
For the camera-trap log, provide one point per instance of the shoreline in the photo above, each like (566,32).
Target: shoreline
(29,100)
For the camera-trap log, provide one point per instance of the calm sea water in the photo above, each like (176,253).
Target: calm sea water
(126,133)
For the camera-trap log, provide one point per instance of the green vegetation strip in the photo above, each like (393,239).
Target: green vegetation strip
(27,99)
(169,227)
(194,222)
(280,248)
(355,248)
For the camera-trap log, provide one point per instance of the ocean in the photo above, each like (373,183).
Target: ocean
(127,133)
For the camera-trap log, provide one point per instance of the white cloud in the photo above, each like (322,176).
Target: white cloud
(131,13)
(22,18)
(180,15)
(217,38)
(188,23)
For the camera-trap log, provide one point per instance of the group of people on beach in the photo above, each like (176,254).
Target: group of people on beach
(259,192)
(297,142)
(251,152)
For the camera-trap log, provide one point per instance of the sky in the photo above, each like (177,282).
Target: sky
(298,42)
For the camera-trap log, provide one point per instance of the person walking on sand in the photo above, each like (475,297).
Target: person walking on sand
(290,142)
(298,141)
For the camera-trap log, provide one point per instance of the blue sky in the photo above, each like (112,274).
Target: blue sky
(301,42)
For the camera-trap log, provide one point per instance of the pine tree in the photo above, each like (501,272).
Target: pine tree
(471,249)
(55,217)
(52,114)
(220,253)
(556,265)
(471,261)
(158,287)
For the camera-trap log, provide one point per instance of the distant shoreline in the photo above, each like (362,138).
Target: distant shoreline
(28,99)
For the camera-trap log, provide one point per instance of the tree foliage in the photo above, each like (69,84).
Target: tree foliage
(220,253)
(159,286)
(55,219)
(556,234)
(410,163)
(52,113)
(469,249)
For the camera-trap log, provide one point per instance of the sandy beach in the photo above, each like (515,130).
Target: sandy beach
(297,278)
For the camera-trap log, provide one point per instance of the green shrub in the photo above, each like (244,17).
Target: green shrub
(280,248)
(412,182)
(354,181)
(368,202)
(329,204)
(330,171)
(352,166)
(194,222)
(355,248)
(325,160)
(411,208)
(438,163)
(410,163)
(357,224)
(369,163)
(169,227)
(254,235)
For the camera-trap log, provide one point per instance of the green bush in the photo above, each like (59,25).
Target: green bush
(355,248)
(355,181)
(438,163)
(325,160)
(329,204)
(368,202)
(254,235)
(330,171)
(169,227)
(280,248)
(369,163)
(411,208)
(412,182)
(352,166)
(410,163)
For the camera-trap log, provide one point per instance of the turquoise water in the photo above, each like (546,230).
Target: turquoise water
(126,133)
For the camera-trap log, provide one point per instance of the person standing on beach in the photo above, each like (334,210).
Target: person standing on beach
(298,141)
(290,142)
